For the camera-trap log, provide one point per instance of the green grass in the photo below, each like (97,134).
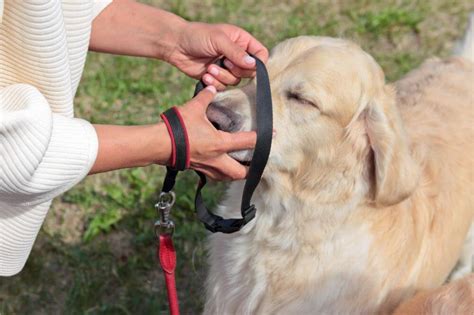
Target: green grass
(95,253)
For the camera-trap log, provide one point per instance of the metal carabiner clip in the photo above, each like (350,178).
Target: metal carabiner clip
(163,206)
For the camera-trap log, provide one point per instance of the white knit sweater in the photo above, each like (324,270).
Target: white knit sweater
(44,151)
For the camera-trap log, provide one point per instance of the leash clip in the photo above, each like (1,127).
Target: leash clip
(165,226)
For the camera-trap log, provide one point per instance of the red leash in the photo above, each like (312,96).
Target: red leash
(165,251)
(167,257)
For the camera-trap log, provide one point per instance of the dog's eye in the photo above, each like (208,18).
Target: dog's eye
(297,97)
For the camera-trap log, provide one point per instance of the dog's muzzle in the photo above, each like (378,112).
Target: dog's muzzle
(226,119)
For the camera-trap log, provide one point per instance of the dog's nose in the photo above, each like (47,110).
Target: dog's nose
(224,118)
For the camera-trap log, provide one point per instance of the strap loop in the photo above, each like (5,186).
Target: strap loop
(180,159)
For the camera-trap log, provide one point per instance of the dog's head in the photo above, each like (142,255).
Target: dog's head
(338,131)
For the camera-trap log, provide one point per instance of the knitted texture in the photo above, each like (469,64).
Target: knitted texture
(44,150)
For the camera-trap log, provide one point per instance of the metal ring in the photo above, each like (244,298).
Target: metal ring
(166,199)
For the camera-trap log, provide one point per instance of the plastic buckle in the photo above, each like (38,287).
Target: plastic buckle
(248,214)
(226,225)
(231,225)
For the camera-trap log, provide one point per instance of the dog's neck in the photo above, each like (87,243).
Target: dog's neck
(303,234)
(306,215)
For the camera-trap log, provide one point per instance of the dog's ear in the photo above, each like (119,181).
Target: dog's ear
(396,173)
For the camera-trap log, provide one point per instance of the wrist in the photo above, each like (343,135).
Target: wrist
(168,29)
(131,28)
(161,144)
(131,146)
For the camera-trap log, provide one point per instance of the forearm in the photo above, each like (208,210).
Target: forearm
(131,146)
(126,27)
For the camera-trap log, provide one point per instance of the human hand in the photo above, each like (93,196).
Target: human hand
(131,28)
(199,45)
(208,146)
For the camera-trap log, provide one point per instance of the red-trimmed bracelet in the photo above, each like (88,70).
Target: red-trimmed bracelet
(180,159)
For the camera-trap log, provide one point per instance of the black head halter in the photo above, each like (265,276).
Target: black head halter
(213,222)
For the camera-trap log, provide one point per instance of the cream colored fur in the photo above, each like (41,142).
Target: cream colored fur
(453,298)
(368,195)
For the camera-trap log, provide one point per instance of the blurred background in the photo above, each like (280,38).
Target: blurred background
(95,253)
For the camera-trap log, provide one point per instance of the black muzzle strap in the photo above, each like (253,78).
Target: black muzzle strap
(177,130)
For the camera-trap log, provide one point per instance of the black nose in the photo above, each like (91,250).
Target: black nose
(224,118)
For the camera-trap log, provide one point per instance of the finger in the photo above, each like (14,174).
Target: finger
(212,174)
(237,71)
(230,168)
(253,46)
(257,49)
(263,55)
(210,80)
(245,40)
(234,52)
(214,168)
(222,75)
(239,140)
(205,97)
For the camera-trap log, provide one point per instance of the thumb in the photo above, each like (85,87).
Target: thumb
(236,54)
(241,141)
(205,97)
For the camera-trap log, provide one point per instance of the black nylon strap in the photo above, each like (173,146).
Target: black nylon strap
(213,222)
(201,85)
(170,179)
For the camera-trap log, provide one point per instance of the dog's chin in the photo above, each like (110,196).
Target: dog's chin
(243,157)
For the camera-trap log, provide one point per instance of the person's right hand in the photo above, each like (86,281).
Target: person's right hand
(209,146)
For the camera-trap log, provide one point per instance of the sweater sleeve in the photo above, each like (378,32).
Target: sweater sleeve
(42,154)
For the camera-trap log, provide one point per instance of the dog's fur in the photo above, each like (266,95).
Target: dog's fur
(367,197)
(453,298)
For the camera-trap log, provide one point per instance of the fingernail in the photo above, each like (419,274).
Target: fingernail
(208,79)
(211,88)
(249,60)
(214,71)
(229,65)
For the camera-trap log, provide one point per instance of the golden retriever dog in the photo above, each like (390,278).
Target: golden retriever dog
(453,298)
(368,194)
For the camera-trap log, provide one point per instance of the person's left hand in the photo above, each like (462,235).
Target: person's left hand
(199,45)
